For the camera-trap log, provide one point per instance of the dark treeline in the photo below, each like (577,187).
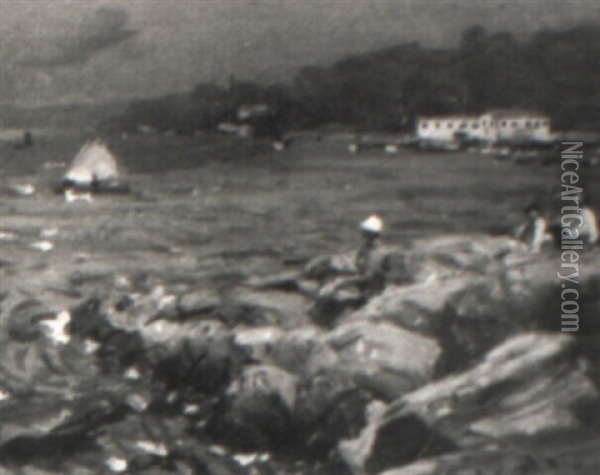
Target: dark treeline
(557,72)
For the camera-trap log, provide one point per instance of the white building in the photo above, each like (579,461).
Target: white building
(496,126)
(514,125)
(446,129)
(251,111)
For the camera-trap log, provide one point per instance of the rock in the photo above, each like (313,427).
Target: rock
(24,319)
(152,445)
(258,343)
(259,406)
(552,456)
(471,313)
(418,307)
(200,302)
(112,334)
(173,336)
(419,280)
(259,308)
(330,407)
(530,386)
(131,311)
(412,267)
(524,294)
(292,350)
(52,416)
(197,356)
(42,366)
(354,452)
(272,345)
(309,288)
(336,298)
(466,249)
(324,267)
(286,281)
(267,380)
(446,257)
(380,357)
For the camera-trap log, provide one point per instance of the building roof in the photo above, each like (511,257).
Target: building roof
(247,111)
(449,117)
(515,114)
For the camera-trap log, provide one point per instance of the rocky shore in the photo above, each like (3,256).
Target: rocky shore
(456,366)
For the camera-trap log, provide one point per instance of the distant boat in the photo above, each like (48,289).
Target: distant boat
(94,169)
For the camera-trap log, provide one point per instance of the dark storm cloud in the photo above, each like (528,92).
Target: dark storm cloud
(104,30)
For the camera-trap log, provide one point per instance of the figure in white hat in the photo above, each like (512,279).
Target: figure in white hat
(371,229)
(368,279)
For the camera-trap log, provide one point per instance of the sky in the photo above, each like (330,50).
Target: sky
(67,51)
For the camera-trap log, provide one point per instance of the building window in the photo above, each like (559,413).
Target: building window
(438,125)
(537,124)
(544,123)
(483,122)
(514,124)
(450,125)
(503,123)
(528,124)
(424,125)
(474,125)
(463,125)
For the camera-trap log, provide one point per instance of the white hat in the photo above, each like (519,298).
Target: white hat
(373,224)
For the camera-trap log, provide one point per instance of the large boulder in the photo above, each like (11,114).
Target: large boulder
(445,257)
(432,270)
(258,408)
(199,356)
(257,343)
(23,319)
(198,303)
(472,312)
(322,268)
(48,361)
(530,386)
(330,407)
(382,358)
(151,445)
(272,345)
(575,454)
(269,307)
(294,348)
(54,395)
(523,295)
(424,279)
(417,307)
(41,427)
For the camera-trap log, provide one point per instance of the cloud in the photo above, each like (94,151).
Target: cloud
(104,30)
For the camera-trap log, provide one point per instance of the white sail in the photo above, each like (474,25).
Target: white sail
(93,162)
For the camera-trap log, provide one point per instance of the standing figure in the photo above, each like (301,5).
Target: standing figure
(371,229)
(369,260)
(534,232)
